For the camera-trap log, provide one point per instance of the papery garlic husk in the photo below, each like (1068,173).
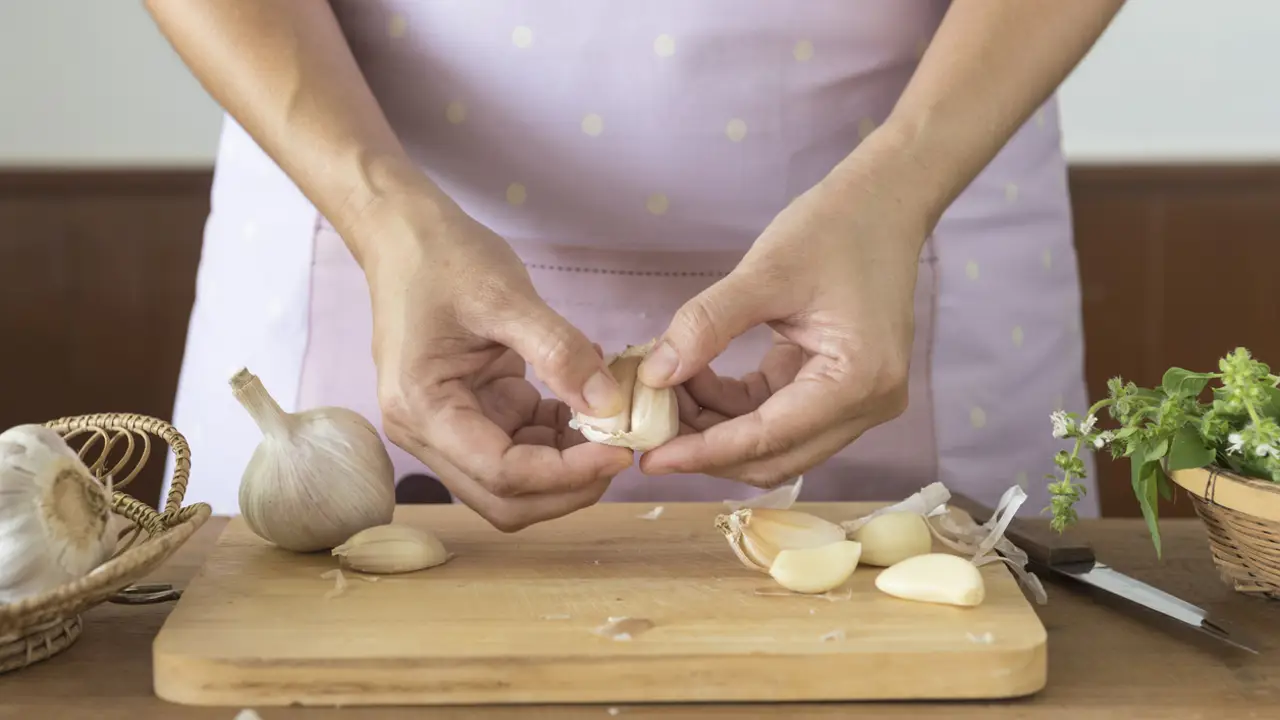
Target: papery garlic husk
(388,549)
(54,515)
(650,417)
(757,535)
(317,477)
(816,570)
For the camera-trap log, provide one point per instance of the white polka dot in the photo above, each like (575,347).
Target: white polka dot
(1017,336)
(516,194)
(971,269)
(593,125)
(1046,258)
(522,37)
(1021,479)
(456,112)
(397,26)
(1040,118)
(736,130)
(977,417)
(250,230)
(664,46)
(866,126)
(657,204)
(803,51)
(1011,192)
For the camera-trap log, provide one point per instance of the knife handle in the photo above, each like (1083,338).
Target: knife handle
(1042,545)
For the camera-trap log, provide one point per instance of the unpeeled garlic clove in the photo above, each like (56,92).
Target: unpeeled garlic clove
(650,416)
(893,537)
(388,549)
(935,578)
(757,535)
(816,570)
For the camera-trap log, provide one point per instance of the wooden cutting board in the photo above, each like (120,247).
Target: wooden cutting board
(511,619)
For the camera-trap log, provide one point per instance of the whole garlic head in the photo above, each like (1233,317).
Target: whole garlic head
(650,416)
(317,477)
(54,515)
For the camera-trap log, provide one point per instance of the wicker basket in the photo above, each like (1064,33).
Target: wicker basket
(118,445)
(1243,518)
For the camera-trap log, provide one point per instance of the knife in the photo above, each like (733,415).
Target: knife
(1049,551)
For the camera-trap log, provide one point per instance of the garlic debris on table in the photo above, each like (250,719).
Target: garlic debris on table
(317,477)
(757,535)
(388,549)
(893,537)
(53,514)
(816,570)
(650,416)
(936,578)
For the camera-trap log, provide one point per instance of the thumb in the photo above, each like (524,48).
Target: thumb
(701,330)
(562,357)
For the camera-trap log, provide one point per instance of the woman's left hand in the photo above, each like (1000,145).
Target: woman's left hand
(834,275)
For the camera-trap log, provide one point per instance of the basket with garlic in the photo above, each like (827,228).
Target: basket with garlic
(70,537)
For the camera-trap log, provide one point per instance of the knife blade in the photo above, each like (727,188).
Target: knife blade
(1049,551)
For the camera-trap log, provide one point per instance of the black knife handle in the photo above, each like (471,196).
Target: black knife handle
(1042,545)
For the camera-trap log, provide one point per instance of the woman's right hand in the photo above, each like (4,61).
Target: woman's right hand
(455,319)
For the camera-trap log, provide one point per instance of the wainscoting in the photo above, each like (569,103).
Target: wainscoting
(97,276)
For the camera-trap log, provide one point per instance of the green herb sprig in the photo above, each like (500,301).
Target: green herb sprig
(1168,428)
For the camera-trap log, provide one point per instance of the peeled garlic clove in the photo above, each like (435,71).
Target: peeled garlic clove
(387,549)
(757,535)
(316,478)
(816,570)
(893,537)
(54,515)
(936,578)
(650,416)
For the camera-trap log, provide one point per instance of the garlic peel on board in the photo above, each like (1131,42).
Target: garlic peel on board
(757,535)
(317,477)
(389,549)
(650,416)
(54,515)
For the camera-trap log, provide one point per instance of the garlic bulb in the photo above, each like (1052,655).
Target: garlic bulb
(317,477)
(816,569)
(757,535)
(650,416)
(53,514)
(387,549)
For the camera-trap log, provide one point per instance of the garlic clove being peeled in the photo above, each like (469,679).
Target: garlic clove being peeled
(935,578)
(54,515)
(816,570)
(892,537)
(317,477)
(650,416)
(388,549)
(757,535)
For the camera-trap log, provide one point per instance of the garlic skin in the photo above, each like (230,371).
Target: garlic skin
(316,478)
(757,535)
(650,416)
(893,537)
(935,578)
(54,515)
(816,570)
(389,549)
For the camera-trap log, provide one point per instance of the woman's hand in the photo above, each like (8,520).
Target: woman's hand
(455,319)
(834,275)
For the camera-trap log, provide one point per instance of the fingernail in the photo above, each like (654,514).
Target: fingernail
(660,364)
(603,395)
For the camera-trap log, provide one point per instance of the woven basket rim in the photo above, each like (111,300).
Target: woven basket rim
(1221,487)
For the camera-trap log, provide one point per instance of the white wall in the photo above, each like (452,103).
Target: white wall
(91,82)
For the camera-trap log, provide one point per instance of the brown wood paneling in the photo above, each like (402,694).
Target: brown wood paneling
(97,276)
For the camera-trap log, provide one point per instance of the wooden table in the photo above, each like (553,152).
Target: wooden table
(1104,661)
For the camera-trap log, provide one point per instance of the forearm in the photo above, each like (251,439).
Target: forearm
(284,71)
(989,66)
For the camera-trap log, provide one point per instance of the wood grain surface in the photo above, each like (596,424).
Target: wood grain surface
(1105,663)
(513,619)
